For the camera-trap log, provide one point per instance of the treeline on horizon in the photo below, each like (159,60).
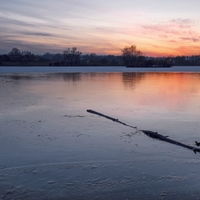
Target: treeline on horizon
(72,57)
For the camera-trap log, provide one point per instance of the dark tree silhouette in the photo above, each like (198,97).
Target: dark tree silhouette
(27,56)
(71,56)
(14,51)
(15,54)
(130,55)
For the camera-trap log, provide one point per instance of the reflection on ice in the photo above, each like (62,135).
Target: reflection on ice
(47,138)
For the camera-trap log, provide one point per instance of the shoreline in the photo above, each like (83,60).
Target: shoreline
(93,69)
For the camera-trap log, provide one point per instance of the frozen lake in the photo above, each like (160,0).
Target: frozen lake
(51,148)
(96,69)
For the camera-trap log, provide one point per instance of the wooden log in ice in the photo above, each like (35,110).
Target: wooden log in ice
(110,118)
(151,134)
(155,135)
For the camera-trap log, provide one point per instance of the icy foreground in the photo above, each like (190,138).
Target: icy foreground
(51,148)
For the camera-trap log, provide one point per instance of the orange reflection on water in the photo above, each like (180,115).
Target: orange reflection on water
(167,90)
(122,91)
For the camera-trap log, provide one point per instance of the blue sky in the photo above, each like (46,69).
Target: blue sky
(156,27)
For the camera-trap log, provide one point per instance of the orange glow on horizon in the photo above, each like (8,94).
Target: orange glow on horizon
(154,40)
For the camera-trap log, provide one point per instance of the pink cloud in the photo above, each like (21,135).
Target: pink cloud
(193,39)
(182,23)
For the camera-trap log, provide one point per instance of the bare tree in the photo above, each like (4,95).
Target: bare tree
(130,55)
(14,51)
(27,56)
(15,54)
(72,56)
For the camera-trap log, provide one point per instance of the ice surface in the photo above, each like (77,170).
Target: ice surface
(96,69)
(51,148)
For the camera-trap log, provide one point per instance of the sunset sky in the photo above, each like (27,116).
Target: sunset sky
(156,27)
